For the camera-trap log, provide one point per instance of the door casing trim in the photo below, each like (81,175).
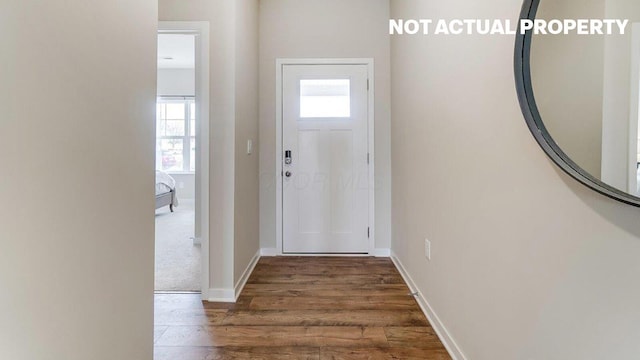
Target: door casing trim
(369,62)
(201,31)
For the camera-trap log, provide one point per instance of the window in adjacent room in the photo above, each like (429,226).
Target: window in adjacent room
(176,134)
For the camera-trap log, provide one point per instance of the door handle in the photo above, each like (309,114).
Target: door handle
(288,174)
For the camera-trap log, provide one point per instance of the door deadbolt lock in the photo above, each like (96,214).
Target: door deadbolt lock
(288,174)
(287,157)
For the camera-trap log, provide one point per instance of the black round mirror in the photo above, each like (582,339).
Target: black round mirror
(580,92)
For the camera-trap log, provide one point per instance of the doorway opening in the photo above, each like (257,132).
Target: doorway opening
(182,170)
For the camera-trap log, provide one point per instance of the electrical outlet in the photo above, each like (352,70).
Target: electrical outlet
(427,249)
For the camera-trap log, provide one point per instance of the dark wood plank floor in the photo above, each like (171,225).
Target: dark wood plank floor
(301,308)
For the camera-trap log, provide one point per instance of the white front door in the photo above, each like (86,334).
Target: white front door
(325,159)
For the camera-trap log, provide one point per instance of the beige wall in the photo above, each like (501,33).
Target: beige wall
(232,117)
(526,263)
(76,258)
(568,87)
(247,242)
(323,29)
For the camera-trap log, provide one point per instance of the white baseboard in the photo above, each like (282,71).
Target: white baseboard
(380,252)
(438,326)
(245,275)
(221,295)
(231,295)
(269,252)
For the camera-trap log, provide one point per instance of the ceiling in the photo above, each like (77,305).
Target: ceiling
(176,51)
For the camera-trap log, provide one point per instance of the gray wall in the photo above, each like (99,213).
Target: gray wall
(324,29)
(526,263)
(76,258)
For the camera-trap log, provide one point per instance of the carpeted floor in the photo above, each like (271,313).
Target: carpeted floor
(177,258)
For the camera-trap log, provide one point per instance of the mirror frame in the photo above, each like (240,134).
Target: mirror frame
(522,65)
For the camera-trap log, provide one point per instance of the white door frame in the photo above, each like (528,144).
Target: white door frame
(201,30)
(280,63)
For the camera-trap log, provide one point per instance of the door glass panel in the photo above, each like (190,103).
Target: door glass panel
(325,98)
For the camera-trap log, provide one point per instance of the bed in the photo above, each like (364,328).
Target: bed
(165,191)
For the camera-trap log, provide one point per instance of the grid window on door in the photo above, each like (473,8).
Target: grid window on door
(325,98)
(175,134)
